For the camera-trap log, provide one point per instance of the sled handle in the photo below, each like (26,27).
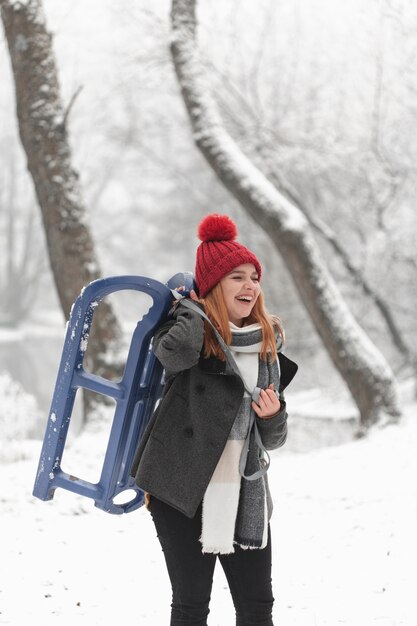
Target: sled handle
(135,395)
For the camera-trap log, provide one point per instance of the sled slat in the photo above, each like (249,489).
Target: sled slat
(85,380)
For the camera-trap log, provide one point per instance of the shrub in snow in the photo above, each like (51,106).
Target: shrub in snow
(18,414)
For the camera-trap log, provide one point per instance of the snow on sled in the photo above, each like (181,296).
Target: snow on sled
(135,395)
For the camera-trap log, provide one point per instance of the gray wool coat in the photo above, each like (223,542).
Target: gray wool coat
(186,435)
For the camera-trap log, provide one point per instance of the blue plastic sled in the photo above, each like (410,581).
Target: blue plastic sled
(135,395)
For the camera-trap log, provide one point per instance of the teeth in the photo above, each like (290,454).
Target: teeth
(245,299)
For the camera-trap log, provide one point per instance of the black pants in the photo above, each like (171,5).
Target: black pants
(248,572)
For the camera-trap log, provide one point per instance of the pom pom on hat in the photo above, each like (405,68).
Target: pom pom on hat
(216,227)
(219,253)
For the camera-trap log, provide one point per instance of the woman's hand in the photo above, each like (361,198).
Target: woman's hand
(194,296)
(268,404)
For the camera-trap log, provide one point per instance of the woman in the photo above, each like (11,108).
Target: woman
(202,458)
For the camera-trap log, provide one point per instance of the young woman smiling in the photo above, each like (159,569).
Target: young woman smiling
(202,459)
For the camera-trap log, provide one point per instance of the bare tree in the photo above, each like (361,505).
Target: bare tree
(247,122)
(355,272)
(364,369)
(261,150)
(43,132)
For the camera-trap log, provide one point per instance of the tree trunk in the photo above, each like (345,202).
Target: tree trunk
(42,128)
(356,275)
(361,365)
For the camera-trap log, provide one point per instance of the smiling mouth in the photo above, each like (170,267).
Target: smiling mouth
(245,299)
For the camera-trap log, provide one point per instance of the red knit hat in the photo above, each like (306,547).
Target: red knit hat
(219,253)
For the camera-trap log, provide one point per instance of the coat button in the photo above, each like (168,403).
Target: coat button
(188,432)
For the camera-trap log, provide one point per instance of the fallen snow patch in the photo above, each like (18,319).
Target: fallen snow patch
(343,527)
(18,413)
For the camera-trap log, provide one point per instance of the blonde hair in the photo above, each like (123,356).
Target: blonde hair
(215,308)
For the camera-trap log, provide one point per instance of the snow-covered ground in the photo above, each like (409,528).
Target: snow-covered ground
(344,542)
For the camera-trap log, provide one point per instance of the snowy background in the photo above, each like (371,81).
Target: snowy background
(326,90)
(344,543)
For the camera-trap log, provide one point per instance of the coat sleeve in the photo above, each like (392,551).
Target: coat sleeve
(178,343)
(273,430)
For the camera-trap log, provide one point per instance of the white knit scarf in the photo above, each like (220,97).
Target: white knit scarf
(223,497)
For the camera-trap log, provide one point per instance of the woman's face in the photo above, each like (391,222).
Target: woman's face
(240,291)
